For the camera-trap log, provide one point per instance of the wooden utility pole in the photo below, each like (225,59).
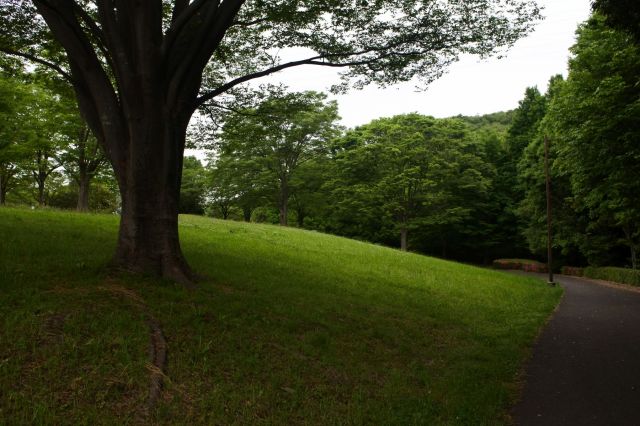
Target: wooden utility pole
(548,182)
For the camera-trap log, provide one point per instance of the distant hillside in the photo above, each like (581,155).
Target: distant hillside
(499,121)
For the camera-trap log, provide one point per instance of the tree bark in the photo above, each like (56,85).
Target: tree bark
(150,189)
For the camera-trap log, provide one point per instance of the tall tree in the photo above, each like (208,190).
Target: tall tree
(414,170)
(278,136)
(136,68)
(597,115)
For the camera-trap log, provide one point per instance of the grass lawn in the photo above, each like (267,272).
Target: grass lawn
(293,327)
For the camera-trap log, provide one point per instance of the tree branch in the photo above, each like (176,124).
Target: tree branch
(40,61)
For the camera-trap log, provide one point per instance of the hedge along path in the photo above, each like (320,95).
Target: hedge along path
(157,347)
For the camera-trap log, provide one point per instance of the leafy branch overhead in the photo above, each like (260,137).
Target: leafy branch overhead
(380,41)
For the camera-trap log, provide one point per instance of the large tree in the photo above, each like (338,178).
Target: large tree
(282,133)
(415,171)
(596,116)
(137,66)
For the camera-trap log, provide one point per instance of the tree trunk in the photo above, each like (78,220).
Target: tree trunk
(283,202)
(301,216)
(246,214)
(632,247)
(224,209)
(41,194)
(150,189)
(403,238)
(83,191)
(4,186)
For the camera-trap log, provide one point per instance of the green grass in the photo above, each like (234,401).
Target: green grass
(293,327)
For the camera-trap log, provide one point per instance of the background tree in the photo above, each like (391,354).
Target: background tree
(278,136)
(136,69)
(411,171)
(14,100)
(597,114)
(192,190)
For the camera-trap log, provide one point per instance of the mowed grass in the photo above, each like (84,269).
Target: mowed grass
(292,327)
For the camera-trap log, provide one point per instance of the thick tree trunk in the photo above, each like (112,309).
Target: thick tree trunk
(284,202)
(83,192)
(150,189)
(403,239)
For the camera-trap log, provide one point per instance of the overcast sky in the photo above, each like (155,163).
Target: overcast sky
(471,86)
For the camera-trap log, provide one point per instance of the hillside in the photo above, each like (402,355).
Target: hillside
(291,327)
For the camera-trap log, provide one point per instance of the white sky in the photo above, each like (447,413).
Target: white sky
(471,86)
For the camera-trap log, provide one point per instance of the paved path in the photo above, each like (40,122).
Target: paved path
(585,368)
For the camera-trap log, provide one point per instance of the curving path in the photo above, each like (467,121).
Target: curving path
(585,367)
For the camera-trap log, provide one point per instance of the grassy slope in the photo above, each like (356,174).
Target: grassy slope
(294,327)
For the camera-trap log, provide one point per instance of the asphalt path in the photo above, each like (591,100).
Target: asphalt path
(585,366)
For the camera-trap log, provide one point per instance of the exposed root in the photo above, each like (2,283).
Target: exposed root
(157,345)
(173,268)
(158,357)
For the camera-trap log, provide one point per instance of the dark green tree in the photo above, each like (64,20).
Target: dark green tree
(597,116)
(412,171)
(621,14)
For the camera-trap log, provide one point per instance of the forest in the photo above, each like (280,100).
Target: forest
(465,188)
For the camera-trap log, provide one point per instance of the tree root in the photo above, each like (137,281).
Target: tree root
(158,356)
(157,345)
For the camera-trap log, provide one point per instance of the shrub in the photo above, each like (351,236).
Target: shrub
(521,264)
(617,275)
(572,270)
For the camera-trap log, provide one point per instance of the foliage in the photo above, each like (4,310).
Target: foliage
(293,323)
(616,275)
(596,117)
(573,271)
(192,190)
(271,141)
(620,14)
(408,172)
(520,264)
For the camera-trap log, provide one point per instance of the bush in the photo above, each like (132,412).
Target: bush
(616,275)
(572,270)
(520,264)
